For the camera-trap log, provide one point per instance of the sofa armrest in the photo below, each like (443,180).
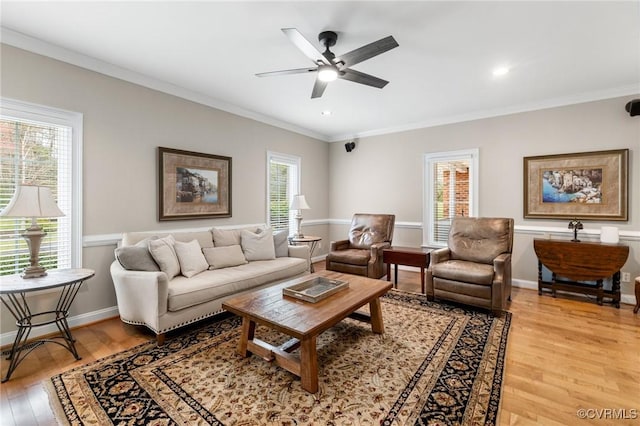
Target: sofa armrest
(339,245)
(303,251)
(142,296)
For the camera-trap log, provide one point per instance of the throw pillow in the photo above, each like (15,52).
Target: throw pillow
(229,237)
(136,257)
(224,257)
(281,243)
(190,258)
(258,246)
(165,256)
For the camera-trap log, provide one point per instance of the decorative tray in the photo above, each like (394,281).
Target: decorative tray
(315,289)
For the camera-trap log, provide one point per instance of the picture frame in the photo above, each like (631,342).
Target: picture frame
(586,186)
(193,185)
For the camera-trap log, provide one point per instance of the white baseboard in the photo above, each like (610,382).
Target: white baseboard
(76,321)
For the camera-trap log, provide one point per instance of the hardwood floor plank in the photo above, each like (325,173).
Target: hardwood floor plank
(563,354)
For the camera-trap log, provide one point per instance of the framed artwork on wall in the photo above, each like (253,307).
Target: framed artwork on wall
(193,185)
(588,185)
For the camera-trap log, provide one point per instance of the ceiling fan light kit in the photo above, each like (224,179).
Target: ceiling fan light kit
(329,67)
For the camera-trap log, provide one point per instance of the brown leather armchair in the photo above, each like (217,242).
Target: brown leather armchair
(361,254)
(475,268)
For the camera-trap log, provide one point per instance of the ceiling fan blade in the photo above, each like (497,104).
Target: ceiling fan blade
(369,51)
(304,45)
(362,78)
(318,88)
(285,72)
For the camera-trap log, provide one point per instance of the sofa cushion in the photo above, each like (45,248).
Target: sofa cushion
(190,257)
(224,257)
(164,254)
(258,246)
(460,270)
(137,257)
(281,243)
(208,285)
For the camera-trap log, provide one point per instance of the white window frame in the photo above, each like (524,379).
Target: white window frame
(40,114)
(430,159)
(294,184)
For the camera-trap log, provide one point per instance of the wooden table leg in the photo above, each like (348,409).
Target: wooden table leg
(248,331)
(635,310)
(388,272)
(422,280)
(377,326)
(309,364)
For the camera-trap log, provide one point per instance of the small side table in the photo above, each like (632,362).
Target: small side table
(408,256)
(13,291)
(307,239)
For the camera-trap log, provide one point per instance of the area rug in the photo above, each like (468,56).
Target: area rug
(435,364)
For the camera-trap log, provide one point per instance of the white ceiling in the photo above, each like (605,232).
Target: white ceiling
(559,53)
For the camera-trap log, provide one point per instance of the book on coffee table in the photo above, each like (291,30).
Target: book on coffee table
(315,289)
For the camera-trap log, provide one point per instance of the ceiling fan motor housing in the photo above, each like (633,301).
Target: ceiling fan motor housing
(328,38)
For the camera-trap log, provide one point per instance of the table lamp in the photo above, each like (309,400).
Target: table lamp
(298,203)
(576,225)
(32,201)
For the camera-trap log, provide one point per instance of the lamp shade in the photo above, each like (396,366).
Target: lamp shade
(32,201)
(299,203)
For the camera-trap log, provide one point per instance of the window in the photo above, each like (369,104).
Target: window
(451,180)
(283,182)
(41,146)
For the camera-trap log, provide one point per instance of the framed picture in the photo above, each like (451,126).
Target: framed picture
(193,185)
(589,185)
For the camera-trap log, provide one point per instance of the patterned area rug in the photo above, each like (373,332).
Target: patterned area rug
(435,364)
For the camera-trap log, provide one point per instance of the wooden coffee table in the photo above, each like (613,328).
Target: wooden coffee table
(304,321)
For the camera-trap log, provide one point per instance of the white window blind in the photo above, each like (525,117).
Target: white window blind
(450,182)
(283,183)
(37,147)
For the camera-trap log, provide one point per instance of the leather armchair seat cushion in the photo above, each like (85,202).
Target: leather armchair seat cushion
(461,270)
(350,256)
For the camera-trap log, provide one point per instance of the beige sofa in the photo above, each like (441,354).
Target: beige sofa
(238,260)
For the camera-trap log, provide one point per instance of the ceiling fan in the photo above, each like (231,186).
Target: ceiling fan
(329,66)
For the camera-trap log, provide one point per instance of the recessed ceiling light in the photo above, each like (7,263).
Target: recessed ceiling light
(326,112)
(500,71)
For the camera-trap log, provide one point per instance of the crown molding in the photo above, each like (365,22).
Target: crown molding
(580,98)
(34,45)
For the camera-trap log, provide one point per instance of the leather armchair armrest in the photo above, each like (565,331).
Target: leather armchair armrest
(440,255)
(376,250)
(501,266)
(339,245)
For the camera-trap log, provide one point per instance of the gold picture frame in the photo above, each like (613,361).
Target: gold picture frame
(588,185)
(193,185)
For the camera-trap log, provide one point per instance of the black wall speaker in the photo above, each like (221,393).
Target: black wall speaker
(349,146)
(633,107)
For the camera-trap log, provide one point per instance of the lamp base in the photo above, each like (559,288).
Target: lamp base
(33,272)
(33,236)
(298,233)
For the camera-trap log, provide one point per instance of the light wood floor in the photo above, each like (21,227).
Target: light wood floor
(564,355)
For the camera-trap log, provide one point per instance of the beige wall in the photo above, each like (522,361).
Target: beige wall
(125,123)
(385,173)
